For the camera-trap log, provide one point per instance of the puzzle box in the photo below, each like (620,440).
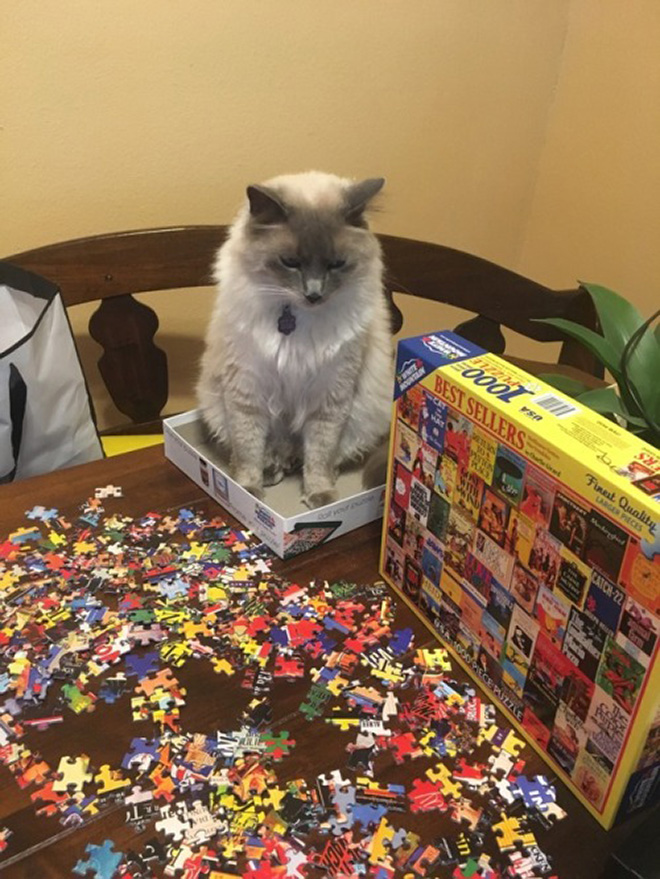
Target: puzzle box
(524,528)
(280,519)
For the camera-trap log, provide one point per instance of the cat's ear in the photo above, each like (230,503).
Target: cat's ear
(358,197)
(265,207)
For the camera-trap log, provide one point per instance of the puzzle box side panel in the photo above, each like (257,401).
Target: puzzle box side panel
(516,570)
(265,523)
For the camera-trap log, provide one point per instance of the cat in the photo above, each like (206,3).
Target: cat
(298,365)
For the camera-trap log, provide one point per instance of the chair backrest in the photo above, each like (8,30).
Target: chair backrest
(110,268)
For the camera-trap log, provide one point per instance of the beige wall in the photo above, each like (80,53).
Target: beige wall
(123,115)
(126,114)
(596,208)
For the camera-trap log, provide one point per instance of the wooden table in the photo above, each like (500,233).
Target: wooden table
(41,847)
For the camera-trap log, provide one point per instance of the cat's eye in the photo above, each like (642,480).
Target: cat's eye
(336,264)
(290,262)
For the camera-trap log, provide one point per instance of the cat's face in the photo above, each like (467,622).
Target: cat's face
(308,250)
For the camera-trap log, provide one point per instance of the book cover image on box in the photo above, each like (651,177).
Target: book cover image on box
(280,518)
(524,528)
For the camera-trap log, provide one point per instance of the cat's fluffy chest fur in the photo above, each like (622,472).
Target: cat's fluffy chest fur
(291,373)
(320,393)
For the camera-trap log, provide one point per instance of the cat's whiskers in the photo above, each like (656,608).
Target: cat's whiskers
(279,295)
(271,288)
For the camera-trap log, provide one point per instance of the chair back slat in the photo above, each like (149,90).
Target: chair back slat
(443,274)
(103,266)
(111,267)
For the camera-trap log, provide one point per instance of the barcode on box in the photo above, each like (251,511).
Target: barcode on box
(555,405)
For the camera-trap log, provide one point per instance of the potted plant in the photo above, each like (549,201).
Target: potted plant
(630,350)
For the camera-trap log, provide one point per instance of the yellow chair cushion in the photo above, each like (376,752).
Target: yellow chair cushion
(117,445)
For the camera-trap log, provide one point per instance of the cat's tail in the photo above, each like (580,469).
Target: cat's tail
(374,472)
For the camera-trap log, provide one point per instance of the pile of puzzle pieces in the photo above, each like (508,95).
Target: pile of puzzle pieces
(105,608)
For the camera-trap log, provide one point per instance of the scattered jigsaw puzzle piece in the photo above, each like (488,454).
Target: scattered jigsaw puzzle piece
(510,833)
(5,833)
(40,512)
(73,773)
(278,746)
(426,796)
(108,491)
(109,780)
(442,775)
(102,861)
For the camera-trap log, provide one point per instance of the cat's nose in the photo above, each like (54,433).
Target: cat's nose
(313,289)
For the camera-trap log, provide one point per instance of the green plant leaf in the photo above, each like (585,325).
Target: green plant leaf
(619,319)
(641,429)
(564,383)
(637,422)
(604,400)
(644,378)
(594,342)
(643,372)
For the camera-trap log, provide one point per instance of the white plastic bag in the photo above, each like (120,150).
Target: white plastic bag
(45,414)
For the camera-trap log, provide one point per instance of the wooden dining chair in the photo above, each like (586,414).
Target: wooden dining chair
(111,268)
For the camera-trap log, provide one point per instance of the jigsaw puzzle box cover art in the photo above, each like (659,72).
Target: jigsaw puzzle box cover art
(524,529)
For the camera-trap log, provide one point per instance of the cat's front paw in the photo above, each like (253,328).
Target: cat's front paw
(316,499)
(250,481)
(273,475)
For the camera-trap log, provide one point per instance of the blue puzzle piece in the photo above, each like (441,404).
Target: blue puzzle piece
(94,615)
(536,792)
(142,665)
(42,513)
(368,814)
(82,602)
(297,610)
(34,564)
(344,800)
(102,862)
(142,750)
(111,690)
(401,641)
(172,589)
(332,625)
(23,535)
(326,641)
(279,636)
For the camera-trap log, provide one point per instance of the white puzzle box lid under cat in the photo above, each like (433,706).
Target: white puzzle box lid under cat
(280,519)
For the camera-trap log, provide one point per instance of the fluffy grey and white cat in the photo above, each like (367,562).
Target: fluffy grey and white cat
(298,364)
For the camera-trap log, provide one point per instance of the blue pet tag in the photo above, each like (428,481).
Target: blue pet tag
(286,322)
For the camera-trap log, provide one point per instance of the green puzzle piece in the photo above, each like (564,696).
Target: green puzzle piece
(316,698)
(278,746)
